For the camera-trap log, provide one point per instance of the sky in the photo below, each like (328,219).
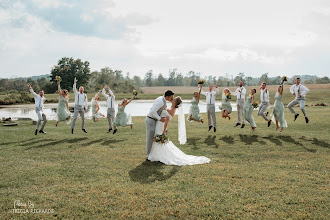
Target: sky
(213,37)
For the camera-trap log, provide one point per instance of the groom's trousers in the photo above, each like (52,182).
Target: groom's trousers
(263,107)
(240,110)
(150,132)
(111,117)
(78,109)
(296,101)
(41,117)
(211,114)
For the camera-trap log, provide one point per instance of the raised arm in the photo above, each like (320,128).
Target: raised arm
(31,90)
(103,92)
(282,88)
(130,100)
(199,93)
(216,89)
(75,85)
(111,93)
(59,88)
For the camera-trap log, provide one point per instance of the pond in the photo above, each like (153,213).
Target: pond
(135,108)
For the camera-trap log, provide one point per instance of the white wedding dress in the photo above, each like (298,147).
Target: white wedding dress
(168,153)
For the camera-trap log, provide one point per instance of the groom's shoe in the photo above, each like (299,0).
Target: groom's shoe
(269,122)
(109,130)
(210,127)
(214,129)
(84,130)
(42,132)
(296,116)
(147,159)
(36,132)
(115,131)
(72,131)
(237,124)
(306,119)
(243,125)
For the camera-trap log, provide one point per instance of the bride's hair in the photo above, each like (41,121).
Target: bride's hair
(178,101)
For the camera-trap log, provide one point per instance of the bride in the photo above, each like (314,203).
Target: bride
(164,150)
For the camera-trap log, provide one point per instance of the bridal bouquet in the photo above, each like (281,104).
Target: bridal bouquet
(58,78)
(255,104)
(135,92)
(284,78)
(201,81)
(161,139)
(228,95)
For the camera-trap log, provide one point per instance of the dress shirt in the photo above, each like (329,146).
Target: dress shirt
(80,98)
(264,96)
(210,96)
(110,98)
(38,100)
(158,104)
(299,88)
(240,93)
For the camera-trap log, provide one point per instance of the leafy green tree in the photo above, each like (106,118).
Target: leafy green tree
(148,78)
(69,68)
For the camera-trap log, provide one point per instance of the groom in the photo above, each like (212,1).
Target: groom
(154,115)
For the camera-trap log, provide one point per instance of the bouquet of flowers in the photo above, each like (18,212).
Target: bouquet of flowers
(228,95)
(255,104)
(58,78)
(201,82)
(284,78)
(161,139)
(135,92)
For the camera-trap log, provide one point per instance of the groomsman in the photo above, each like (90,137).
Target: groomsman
(240,94)
(210,101)
(81,106)
(299,91)
(264,99)
(111,108)
(39,103)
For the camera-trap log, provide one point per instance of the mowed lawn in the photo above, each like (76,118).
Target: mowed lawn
(261,174)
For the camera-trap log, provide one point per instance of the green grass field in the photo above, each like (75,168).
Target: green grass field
(260,175)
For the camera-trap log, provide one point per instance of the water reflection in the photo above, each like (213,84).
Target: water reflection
(135,108)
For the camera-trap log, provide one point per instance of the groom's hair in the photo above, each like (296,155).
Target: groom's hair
(168,93)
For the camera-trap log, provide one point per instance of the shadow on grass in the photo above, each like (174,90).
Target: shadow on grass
(52,142)
(289,139)
(193,142)
(273,140)
(228,139)
(210,141)
(149,172)
(317,142)
(249,140)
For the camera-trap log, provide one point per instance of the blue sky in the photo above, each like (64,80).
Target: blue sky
(211,36)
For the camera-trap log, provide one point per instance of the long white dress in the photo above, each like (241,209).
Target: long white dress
(168,153)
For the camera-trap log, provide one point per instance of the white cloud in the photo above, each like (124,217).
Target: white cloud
(212,37)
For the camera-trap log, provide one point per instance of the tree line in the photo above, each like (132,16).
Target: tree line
(68,68)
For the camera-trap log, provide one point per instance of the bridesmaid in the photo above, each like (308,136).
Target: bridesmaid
(194,109)
(63,113)
(122,119)
(278,110)
(226,106)
(248,110)
(95,108)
